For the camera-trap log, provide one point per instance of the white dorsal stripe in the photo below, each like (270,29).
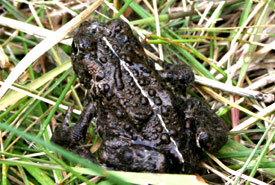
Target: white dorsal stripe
(158,67)
(144,93)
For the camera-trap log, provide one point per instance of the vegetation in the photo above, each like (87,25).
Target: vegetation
(229,44)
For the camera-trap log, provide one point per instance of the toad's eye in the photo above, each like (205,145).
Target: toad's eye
(203,140)
(93,28)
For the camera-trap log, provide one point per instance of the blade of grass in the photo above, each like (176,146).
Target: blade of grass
(12,97)
(168,5)
(12,10)
(39,175)
(121,10)
(131,177)
(253,153)
(4,166)
(263,153)
(24,176)
(61,97)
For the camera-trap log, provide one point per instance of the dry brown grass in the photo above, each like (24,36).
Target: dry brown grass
(229,44)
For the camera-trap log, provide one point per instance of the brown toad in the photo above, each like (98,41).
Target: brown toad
(142,119)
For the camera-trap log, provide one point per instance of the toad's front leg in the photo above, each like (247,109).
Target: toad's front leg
(179,75)
(75,135)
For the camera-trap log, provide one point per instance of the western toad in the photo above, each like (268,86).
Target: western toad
(142,119)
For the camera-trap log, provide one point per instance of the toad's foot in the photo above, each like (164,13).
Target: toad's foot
(210,132)
(75,135)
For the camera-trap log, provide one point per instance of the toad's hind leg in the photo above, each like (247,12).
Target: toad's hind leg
(137,158)
(210,132)
(75,135)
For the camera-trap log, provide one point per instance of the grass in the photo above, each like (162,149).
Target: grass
(229,45)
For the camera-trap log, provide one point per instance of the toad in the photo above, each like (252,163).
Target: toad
(142,118)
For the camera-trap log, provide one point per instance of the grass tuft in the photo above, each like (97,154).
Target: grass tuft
(229,45)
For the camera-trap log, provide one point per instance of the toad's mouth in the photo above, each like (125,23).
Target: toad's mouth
(145,94)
